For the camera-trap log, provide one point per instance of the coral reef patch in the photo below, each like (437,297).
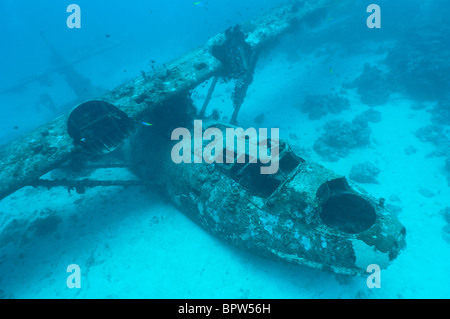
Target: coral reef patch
(340,137)
(317,106)
(365,172)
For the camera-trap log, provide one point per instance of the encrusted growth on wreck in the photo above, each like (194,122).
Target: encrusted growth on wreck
(304,214)
(238,60)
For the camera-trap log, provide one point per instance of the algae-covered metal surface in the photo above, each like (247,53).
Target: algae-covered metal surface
(304,214)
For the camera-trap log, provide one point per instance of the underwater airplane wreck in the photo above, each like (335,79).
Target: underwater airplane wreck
(303,213)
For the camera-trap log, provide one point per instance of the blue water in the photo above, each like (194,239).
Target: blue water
(131,242)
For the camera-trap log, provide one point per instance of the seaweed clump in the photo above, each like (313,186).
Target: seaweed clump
(340,137)
(373,85)
(438,132)
(365,172)
(447,170)
(446,229)
(417,66)
(317,106)
(438,135)
(440,113)
(421,65)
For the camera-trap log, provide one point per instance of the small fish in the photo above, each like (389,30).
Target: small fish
(83,139)
(146,123)
(201,5)
(16,127)
(331,70)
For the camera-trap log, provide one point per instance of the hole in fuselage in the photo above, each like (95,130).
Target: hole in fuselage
(99,127)
(349,213)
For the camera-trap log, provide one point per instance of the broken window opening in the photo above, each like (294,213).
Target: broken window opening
(249,176)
